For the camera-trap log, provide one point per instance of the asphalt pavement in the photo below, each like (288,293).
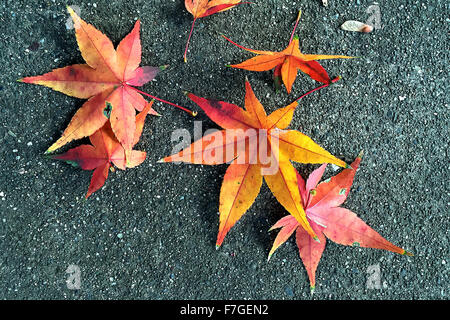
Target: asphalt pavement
(150,232)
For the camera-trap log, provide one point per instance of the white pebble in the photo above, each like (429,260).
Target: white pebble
(335,167)
(357,26)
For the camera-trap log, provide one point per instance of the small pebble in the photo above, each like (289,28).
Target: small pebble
(289,291)
(356,26)
(335,167)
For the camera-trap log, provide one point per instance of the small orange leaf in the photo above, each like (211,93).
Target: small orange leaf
(105,150)
(286,63)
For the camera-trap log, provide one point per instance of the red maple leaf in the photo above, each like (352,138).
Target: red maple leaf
(108,76)
(105,151)
(321,202)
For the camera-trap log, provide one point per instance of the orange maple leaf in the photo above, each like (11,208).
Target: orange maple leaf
(321,202)
(108,76)
(257,146)
(287,62)
(204,8)
(106,150)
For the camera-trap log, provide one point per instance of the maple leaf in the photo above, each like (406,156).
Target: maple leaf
(327,219)
(105,151)
(204,8)
(256,145)
(287,62)
(108,76)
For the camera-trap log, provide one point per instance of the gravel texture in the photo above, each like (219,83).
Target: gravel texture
(150,232)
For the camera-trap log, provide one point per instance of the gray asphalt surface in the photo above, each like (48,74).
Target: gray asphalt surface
(150,232)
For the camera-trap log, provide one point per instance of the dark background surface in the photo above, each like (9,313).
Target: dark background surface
(150,232)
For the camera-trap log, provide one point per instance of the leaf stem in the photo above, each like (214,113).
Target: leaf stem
(192,113)
(189,39)
(245,48)
(296,24)
(308,93)
(318,88)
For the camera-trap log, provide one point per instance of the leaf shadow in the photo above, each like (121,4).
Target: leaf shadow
(209,206)
(175,14)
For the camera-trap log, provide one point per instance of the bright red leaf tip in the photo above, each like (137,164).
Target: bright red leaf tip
(108,76)
(106,151)
(321,202)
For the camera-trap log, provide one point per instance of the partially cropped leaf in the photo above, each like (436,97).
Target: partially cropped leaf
(204,8)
